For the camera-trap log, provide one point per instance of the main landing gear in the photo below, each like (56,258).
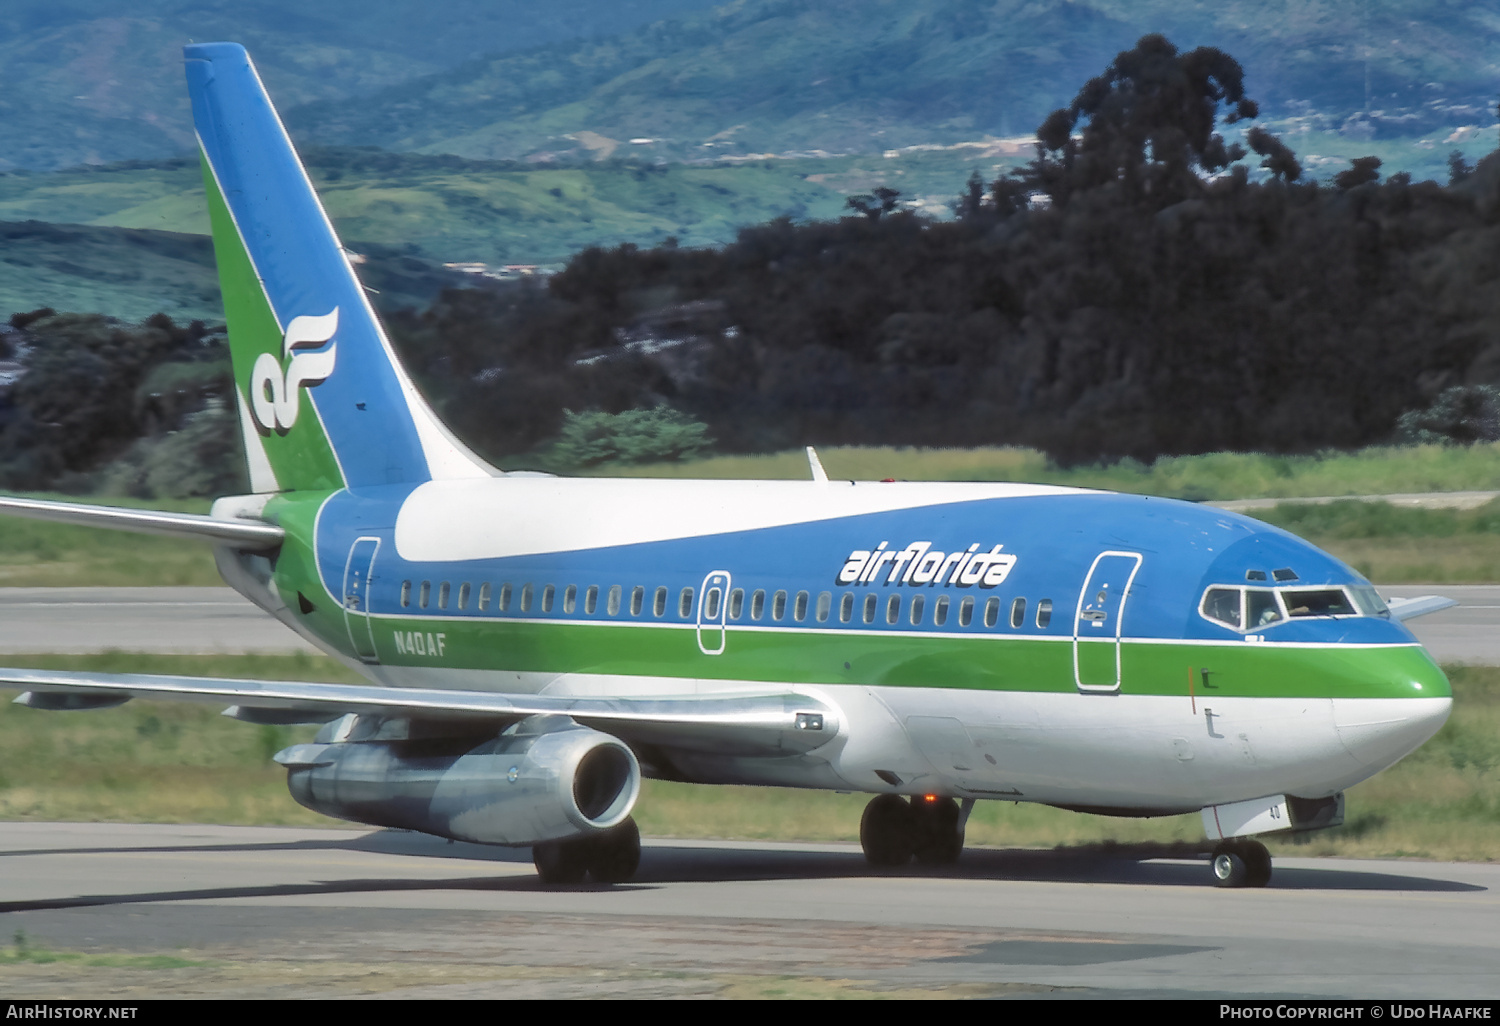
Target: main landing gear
(1241,863)
(930,829)
(608,858)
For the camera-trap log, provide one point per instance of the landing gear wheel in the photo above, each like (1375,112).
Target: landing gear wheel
(615,855)
(886,831)
(1241,864)
(561,862)
(938,839)
(1259,861)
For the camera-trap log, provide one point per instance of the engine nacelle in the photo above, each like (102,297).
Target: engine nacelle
(543,779)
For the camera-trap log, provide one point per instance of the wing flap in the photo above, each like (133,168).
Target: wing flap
(769,724)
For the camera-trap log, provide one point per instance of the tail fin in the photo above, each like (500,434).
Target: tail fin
(299,321)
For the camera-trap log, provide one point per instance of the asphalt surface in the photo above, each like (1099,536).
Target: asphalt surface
(199,620)
(298,912)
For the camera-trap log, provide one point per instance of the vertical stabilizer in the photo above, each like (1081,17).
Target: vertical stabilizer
(323,401)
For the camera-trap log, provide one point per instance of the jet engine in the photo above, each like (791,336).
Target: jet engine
(545,778)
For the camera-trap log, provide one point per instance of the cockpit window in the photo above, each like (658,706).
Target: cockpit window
(1319,602)
(1261,609)
(1223,606)
(1369,601)
(1251,609)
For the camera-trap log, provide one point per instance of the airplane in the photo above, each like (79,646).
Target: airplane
(536,645)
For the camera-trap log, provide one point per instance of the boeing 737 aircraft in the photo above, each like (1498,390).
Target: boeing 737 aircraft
(535,645)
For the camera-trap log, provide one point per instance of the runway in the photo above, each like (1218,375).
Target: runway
(206,620)
(282,912)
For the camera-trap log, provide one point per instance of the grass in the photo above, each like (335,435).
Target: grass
(38,553)
(1388,544)
(23,951)
(176,763)
(1377,470)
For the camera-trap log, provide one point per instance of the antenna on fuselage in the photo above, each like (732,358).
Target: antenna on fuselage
(816,466)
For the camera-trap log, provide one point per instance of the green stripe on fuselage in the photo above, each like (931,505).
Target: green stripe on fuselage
(301,458)
(981,662)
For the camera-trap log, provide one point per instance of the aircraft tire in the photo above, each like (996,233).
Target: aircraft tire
(886,831)
(615,855)
(1259,861)
(561,862)
(1230,867)
(938,839)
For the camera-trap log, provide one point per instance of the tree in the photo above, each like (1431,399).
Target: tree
(1280,160)
(873,204)
(1149,125)
(1362,170)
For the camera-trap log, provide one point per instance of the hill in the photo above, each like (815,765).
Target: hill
(95,81)
(448,209)
(131,273)
(847,76)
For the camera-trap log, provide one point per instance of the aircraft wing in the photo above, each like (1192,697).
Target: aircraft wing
(1409,608)
(766,724)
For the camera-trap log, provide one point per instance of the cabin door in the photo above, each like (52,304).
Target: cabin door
(359,571)
(713,610)
(1097,623)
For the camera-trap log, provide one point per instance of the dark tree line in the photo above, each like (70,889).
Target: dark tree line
(1131,292)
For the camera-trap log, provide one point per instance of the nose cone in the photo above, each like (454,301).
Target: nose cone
(1380,731)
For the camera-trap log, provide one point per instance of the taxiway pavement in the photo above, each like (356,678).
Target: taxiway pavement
(296,912)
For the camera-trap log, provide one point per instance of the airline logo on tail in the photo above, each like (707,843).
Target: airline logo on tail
(276,391)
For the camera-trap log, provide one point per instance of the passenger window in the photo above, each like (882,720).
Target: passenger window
(799,608)
(778,605)
(637,600)
(870,603)
(424,593)
(659,602)
(737,603)
(685,604)
(591,599)
(1018,612)
(526,599)
(846,607)
(893,609)
(405,594)
(484,596)
(1222,605)
(966,611)
(940,611)
(570,598)
(443,595)
(612,604)
(825,605)
(1261,609)
(992,612)
(547,595)
(463,596)
(1044,612)
(505,597)
(758,604)
(711,604)
(917,602)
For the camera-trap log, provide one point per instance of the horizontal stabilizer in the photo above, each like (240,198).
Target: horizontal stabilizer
(778,724)
(244,534)
(1409,608)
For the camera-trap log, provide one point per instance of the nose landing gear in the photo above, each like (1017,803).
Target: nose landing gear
(929,828)
(1241,863)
